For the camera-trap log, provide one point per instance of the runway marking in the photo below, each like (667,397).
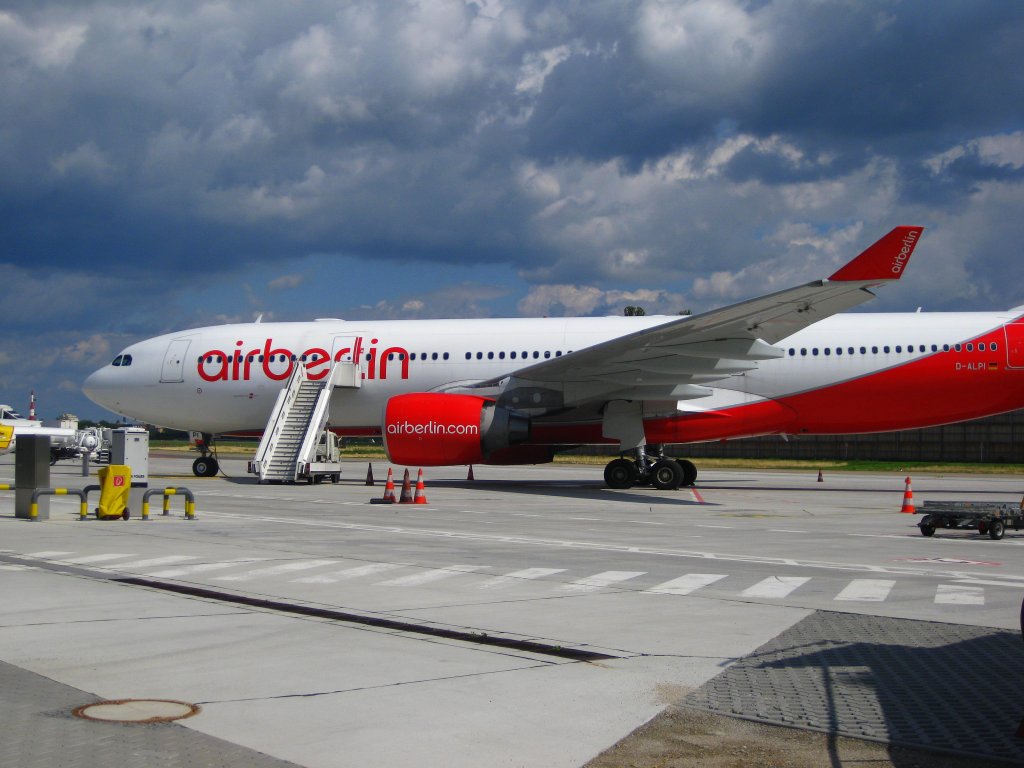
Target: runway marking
(644,522)
(168,560)
(350,573)
(584,518)
(775,586)
(47,554)
(188,570)
(600,580)
(95,558)
(715,526)
(15,567)
(867,590)
(428,577)
(591,546)
(956,594)
(527,574)
(784,530)
(684,585)
(276,570)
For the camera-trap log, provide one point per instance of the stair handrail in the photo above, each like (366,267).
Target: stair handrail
(278,417)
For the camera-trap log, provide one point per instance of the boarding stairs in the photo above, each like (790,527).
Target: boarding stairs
(297,422)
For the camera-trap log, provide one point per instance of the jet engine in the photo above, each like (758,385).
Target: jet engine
(431,429)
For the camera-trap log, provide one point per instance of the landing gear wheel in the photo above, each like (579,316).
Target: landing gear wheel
(996,529)
(205,466)
(621,473)
(689,471)
(666,475)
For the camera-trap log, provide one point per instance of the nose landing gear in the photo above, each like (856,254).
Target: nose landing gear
(206,465)
(659,471)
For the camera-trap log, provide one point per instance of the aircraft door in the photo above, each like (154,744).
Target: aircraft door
(349,350)
(174,361)
(1014,344)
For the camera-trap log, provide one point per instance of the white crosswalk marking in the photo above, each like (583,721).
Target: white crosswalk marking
(349,573)
(516,577)
(95,558)
(276,570)
(684,585)
(188,570)
(427,577)
(867,590)
(957,594)
(167,560)
(775,586)
(603,579)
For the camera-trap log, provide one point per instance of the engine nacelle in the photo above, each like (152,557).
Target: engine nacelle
(431,429)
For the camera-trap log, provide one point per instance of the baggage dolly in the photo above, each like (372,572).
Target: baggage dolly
(987,517)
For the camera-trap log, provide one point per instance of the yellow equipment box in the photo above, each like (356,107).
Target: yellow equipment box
(6,433)
(115,485)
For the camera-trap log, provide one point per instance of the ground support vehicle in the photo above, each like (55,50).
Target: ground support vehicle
(988,517)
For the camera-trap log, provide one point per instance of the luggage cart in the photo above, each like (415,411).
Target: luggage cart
(985,516)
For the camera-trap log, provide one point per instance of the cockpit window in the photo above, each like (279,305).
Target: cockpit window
(9,414)
(122,360)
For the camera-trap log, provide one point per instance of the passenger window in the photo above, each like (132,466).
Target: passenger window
(501,355)
(898,349)
(479,355)
(803,352)
(445,355)
(536,355)
(874,350)
(981,347)
(792,352)
(993,346)
(547,355)
(957,347)
(490,355)
(814,351)
(828,350)
(970,347)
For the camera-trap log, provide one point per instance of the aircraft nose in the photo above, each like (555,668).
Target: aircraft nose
(98,387)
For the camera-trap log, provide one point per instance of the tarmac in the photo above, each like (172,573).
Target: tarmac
(530,617)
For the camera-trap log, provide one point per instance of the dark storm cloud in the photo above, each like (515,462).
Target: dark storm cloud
(667,153)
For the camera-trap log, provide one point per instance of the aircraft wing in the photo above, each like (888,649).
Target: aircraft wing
(672,360)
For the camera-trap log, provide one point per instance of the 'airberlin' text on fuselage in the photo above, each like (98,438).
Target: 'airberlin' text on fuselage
(277,363)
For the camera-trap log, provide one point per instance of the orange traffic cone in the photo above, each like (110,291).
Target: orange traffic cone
(821,478)
(406,497)
(389,489)
(908,500)
(421,490)
(369,474)
(470,477)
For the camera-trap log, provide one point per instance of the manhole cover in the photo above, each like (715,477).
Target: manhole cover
(137,711)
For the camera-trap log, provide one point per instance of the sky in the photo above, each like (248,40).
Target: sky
(174,164)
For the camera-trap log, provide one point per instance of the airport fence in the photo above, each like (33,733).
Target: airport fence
(993,440)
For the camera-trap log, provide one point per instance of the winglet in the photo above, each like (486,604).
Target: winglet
(885,260)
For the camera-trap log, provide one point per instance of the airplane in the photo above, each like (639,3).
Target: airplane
(13,424)
(516,391)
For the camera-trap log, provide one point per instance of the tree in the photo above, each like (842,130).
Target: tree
(632,311)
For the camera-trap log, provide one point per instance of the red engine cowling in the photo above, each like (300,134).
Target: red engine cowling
(431,429)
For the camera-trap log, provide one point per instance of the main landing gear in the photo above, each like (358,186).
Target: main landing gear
(661,472)
(206,465)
